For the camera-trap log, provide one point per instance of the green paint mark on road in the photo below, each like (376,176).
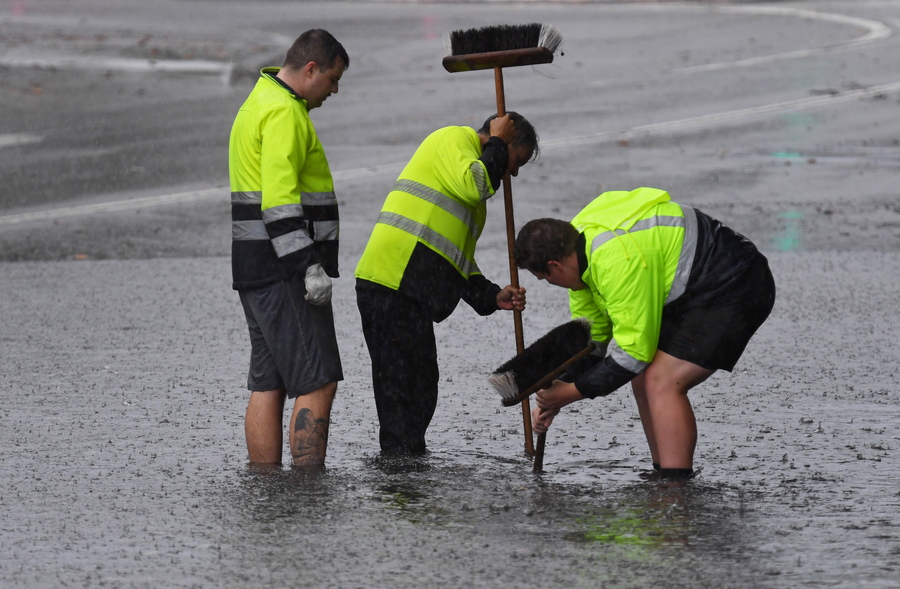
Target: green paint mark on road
(790,238)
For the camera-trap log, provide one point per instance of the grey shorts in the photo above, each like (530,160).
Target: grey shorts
(293,344)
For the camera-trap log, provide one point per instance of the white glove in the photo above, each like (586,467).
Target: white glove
(318,285)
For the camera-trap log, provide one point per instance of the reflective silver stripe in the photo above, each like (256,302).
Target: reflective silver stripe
(444,245)
(481,181)
(440,200)
(686,259)
(624,359)
(291,242)
(325,230)
(291,211)
(315,199)
(248,230)
(642,225)
(246,198)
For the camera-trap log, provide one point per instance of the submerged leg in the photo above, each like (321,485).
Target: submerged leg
(666,384)
(310,419)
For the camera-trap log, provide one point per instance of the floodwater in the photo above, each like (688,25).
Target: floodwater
(122,458)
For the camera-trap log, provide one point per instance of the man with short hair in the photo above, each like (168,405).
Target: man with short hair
(284,250)
(420,261)
(673,296)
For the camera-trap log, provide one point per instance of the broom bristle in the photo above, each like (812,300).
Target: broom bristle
(504,38)
(551,38)
(549,351)
(505,384)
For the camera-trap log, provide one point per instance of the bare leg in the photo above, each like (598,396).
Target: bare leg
(263,426)
(639,388)
(666,383)
(309,426)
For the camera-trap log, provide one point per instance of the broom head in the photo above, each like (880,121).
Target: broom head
(501,46)
(542,361)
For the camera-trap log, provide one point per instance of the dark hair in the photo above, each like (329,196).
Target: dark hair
(542,241)
(316,45)
(525,133)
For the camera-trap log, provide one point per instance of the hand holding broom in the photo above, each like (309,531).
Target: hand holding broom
(535,368)
(498,47)
(550,400)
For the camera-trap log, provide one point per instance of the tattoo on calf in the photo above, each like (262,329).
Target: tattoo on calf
(310,437)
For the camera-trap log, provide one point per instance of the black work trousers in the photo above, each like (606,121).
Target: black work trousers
(400,337)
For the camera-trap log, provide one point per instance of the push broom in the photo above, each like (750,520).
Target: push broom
(535,368)
(498,47)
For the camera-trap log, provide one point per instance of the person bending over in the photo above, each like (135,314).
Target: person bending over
(673,296)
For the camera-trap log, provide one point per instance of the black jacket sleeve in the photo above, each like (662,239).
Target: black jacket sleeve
(481,294)
(602,379)
(495,156)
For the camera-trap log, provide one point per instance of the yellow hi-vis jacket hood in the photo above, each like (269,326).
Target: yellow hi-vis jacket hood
(439,200)
(637,262)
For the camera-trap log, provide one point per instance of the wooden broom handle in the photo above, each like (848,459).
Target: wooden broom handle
(513,270)
(539,453)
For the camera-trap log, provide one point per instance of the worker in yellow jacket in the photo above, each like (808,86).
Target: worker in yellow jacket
(285,250)
(673,296)
(420,261)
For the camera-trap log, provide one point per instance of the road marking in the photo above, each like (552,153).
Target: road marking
(176,198)
(13,139)
(369,171)
(725,117)
(116,205)
(877,31)
(82,62)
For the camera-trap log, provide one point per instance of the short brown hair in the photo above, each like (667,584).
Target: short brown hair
(525,134)
(542,241)
(316,45)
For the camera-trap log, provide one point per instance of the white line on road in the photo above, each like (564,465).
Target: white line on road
(726,117)
(369,171)
(116,205)
(13,139)
(394,168)
(169,199)
(84,62)
(877,31)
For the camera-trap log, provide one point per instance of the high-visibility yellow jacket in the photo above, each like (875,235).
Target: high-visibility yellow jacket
(639,248)
(640,252)
(284,211)
(436,212)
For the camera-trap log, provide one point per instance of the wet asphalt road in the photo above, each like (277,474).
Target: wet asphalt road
(124,349)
